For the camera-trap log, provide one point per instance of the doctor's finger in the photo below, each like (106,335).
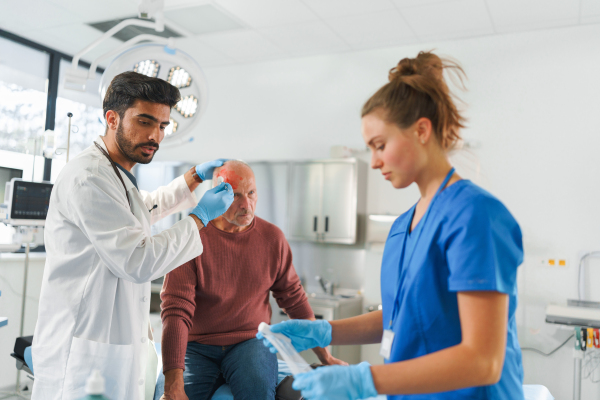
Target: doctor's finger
(223,186)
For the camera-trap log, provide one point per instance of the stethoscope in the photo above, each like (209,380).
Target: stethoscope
(114,165)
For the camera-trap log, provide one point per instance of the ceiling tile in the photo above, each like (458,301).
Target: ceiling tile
(515,15)
(590,11)
(26,15)
(343,8)
(173,4)
(77,36)
(94,11)
(438,21)
(378,29)
(266,13)
(304,39)
(205,55)
(242,45)
(47,39)
(201,19)
(401,4)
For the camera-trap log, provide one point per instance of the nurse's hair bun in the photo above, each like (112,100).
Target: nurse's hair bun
(423,64)
(417,89)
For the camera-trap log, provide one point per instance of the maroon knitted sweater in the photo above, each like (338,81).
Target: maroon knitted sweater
(220,297)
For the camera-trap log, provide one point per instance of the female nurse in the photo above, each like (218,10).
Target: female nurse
(448,278)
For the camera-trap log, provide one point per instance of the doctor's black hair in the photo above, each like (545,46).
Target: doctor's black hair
(130,86)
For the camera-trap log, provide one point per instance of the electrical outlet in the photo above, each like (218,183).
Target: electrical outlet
(554,262)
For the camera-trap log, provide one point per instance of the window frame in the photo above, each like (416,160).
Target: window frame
(53,73)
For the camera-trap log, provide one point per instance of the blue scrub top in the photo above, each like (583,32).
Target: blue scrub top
(469,241)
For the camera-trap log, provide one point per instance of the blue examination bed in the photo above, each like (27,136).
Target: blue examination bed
(24,362)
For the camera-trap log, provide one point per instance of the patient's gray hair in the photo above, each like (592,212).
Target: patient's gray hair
(233,163)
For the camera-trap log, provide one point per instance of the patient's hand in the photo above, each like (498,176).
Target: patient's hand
(174,386)
(326,358)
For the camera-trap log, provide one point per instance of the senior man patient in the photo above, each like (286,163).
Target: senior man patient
(213,304)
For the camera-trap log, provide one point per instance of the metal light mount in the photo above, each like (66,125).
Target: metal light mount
(159,59)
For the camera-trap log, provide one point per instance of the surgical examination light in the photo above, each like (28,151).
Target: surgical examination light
(187,106)
(147,67)
(175,67)
(179,77)
(160,59)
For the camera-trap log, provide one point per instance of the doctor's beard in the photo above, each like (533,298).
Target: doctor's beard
(128,148)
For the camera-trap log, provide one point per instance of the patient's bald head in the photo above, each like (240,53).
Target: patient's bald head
(241,178)
(233,172)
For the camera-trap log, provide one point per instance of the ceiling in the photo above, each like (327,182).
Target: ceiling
(243,31)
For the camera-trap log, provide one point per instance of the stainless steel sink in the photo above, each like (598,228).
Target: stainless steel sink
(327,296)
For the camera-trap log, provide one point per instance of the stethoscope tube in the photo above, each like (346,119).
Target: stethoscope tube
(114,165)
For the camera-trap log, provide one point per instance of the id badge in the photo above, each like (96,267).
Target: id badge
(386,343)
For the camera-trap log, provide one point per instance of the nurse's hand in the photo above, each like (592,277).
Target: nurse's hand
(337,383)
(205,170)
(303,333)
(214,203)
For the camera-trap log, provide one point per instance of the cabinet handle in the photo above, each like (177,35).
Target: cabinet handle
(326,224)
(315,225)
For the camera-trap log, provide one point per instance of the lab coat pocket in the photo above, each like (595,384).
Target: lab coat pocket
(114,361)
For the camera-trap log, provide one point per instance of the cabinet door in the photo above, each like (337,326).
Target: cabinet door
(272,180)
(339,202)
(305,201)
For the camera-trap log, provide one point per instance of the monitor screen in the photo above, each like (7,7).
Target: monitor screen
(6,174)
(30,200)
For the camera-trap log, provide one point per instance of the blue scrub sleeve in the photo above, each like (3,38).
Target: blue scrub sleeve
(484,248)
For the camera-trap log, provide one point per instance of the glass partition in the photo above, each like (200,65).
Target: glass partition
(23,97)
(87,121)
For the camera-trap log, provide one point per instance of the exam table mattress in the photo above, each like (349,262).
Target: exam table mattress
(532,392)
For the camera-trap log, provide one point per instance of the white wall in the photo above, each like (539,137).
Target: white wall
(533,104)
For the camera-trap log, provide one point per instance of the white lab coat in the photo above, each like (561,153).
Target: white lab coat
(95,297)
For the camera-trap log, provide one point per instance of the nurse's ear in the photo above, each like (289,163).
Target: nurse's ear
(423,130)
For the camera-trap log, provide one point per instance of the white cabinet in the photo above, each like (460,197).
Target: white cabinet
(325,199)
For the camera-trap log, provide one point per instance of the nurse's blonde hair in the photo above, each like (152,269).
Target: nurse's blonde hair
(417,89)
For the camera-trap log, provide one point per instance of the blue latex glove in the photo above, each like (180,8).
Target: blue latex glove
(304,334)
(205,170)
(214,203)
(337,382)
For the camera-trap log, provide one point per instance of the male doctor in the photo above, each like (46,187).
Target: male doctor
(101,257)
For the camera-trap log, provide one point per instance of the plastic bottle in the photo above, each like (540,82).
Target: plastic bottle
(94,387)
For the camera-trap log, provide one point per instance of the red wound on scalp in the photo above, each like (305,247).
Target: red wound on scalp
(230,177)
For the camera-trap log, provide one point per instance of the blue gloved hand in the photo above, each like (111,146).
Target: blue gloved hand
(305,334)
(205,170)
(214,203)
(337,382)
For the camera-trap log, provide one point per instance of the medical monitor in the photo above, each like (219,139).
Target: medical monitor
(27,202)
(6,175)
